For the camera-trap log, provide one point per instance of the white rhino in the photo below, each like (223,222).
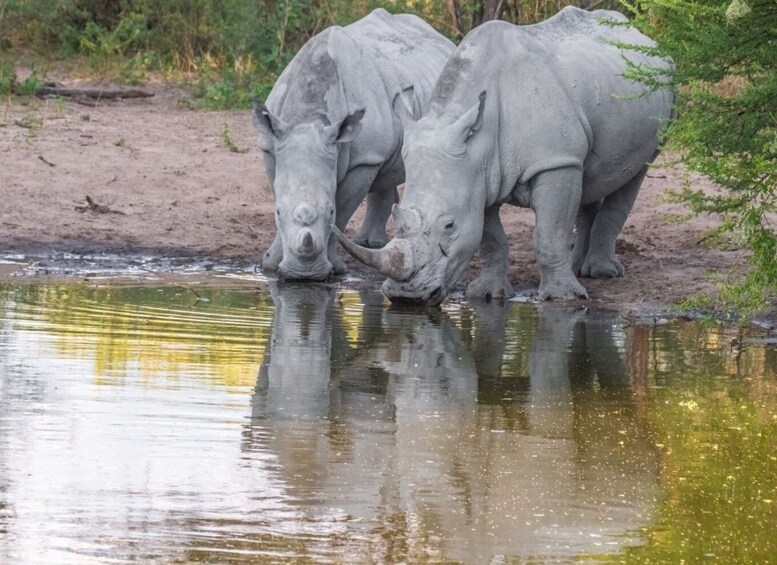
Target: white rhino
(329,136)
(537,116)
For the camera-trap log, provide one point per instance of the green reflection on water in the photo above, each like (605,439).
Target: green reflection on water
(713,409)
(158,331)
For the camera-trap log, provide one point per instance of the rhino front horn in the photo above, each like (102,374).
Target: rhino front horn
(395,260)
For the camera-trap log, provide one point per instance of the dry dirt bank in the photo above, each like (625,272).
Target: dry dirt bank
(178,190)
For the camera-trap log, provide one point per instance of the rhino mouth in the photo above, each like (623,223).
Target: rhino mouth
(291,272)
(431,295)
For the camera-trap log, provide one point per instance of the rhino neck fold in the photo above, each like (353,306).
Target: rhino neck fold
(498,185)
(494,188)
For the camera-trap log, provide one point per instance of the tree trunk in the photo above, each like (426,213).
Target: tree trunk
(479,11)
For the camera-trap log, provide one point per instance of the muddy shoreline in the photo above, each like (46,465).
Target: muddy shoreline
(164,183)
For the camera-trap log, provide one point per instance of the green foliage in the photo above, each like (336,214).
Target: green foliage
(718,467)
(9,82)
(7,76)
(229,143)
(726,58)
(29,85)
(234,49)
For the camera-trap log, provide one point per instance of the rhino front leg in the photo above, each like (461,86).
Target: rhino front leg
(600,261)
(555,200)
(350,193)
(273,256)
(372,232)
(494,250)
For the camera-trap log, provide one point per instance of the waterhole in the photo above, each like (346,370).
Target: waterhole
(311,424)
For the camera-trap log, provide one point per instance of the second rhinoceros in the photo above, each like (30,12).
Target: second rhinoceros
(537,116)
(329,136)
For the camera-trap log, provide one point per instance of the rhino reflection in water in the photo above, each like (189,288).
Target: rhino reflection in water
(426,439)
(329,137)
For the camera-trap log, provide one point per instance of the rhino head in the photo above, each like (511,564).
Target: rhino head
(301,160)
(439,225)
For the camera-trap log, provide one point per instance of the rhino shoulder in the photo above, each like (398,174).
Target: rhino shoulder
(609,15)
(492,43)
(573,22)
(340,43)
(307,81)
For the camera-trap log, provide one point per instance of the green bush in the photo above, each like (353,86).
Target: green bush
(235,49)
(9,82)
(726,76)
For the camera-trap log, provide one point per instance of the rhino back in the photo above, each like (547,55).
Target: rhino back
(405,49)
(561,99)
(300,93)
(362,65)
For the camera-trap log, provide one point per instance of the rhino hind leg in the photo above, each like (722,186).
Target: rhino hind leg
(494,248)
(600,261)
(583,224)
(372,232)
(273,256)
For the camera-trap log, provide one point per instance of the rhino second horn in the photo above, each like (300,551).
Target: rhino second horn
(395,260)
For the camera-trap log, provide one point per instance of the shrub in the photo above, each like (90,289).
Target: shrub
(726,57)
(235,48)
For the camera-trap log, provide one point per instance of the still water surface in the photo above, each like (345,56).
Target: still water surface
(307,424)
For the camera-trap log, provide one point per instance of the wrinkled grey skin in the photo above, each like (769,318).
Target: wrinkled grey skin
(537,116)
(329,136)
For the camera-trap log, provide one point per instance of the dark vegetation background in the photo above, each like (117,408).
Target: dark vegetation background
(230,51)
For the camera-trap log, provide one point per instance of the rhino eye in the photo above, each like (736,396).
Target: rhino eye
(449,225)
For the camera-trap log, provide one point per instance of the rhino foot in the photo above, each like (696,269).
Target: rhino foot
(488,286)
(338,266)
(563,289)
(601,268)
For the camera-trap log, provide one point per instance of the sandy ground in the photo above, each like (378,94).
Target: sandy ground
(178,190)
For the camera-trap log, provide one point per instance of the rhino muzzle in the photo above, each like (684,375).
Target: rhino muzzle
(305,270)
(427,295)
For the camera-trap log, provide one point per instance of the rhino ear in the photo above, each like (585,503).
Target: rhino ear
(265,122)
(345,130)
(468,124)
(405,107)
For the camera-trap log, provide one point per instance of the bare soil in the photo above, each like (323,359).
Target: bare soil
(163,181)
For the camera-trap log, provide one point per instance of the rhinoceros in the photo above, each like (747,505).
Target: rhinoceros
(537,116)
(329,136)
